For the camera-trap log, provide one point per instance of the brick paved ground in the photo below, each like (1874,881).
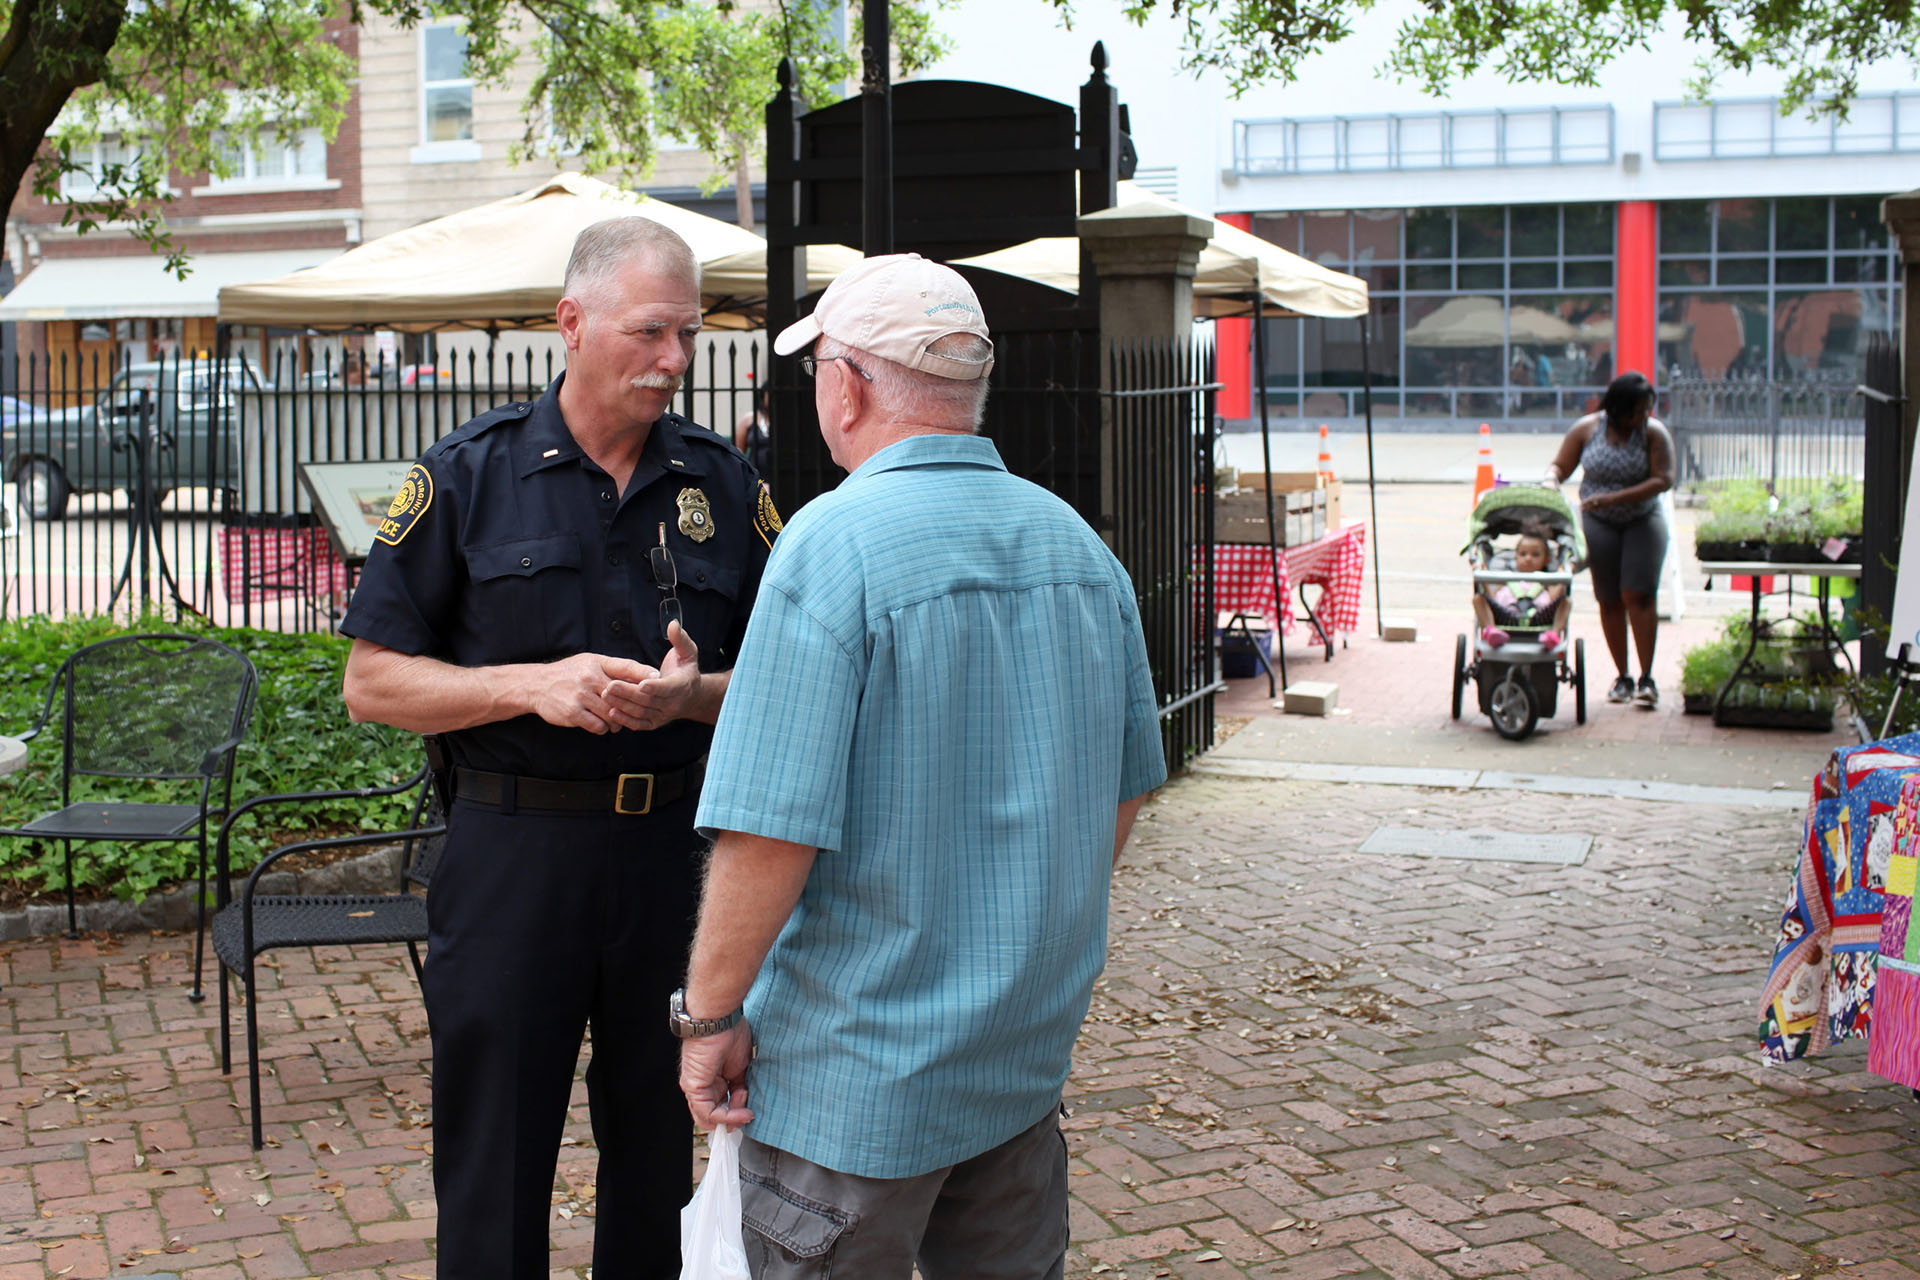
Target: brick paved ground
(1304,1063)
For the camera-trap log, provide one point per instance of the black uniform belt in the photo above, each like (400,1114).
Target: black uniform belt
(630,793)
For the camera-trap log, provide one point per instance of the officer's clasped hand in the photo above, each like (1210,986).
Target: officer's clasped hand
(658,697)
(573,692)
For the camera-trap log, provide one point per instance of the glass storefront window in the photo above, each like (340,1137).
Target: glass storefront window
(1282,229)
(1588,275)
(1857,225)
(1741,226)
(1686,226)
(1482,275)
(1535,275)
(1325,239)
(1742,271)
(1429,277)
(1687,271)
(1376,235)
(1536,231)
(1430,233)
(1589,230)
(1800,270)
(1715,334)
(1483,232)
(1800,224)
(1817,334)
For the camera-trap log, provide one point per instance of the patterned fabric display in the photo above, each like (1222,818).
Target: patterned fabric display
(1893,1050)
(1243,578)
(1821,983)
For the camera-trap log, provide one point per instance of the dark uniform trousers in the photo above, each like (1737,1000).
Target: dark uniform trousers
(541,925)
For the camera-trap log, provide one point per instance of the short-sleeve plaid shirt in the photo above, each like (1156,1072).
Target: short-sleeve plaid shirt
(944,688)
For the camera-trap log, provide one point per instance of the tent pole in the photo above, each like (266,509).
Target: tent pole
(1266,461)
(1373,492)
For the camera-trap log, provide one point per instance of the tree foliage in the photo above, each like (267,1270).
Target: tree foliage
(177,82)
(1818,46)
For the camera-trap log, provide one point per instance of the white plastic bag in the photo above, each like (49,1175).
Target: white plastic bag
(710,1247)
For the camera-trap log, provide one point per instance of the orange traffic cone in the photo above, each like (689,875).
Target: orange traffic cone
(1325,467)
(1483,474)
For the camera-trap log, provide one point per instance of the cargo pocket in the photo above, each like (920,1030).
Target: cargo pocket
(527,598)
(785,1233)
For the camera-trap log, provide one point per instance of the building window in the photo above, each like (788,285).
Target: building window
(1482,313)
(1741,128)
(1781,288)
(102,162)
(269,160)
(1431,140)
(446,89)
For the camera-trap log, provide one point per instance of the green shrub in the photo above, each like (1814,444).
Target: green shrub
(300,740)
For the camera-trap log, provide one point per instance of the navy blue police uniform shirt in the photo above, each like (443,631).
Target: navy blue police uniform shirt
(508,544)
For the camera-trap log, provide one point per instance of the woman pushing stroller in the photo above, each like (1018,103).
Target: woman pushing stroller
(1626,457)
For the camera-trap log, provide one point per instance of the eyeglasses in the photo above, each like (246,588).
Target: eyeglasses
(810,363)
(667,578)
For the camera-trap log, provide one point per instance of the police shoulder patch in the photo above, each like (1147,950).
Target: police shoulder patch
(766,517)
(408,505)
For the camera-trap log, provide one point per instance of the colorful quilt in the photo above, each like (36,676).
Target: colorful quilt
(1893,1050)
(1821,983)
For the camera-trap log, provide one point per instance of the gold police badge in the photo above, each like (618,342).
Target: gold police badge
(696,520)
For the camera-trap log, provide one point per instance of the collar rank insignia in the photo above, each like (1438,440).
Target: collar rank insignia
(766,517)
(408,505)
(696,520)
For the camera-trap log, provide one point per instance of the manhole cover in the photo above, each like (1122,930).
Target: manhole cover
(1488,846)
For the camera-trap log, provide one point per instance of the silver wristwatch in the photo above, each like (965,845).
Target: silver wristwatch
(688,1027)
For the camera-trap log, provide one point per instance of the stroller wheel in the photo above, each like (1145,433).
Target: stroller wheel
(1459,672)
(1579,681)
(1512,708)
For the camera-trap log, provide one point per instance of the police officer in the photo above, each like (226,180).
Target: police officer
(558,591)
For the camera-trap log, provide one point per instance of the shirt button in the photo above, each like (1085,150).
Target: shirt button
(613,559)
(526,562)
(617,627)
(701,576)
(606,495)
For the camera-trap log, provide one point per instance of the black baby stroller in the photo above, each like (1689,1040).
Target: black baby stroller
(1519,681)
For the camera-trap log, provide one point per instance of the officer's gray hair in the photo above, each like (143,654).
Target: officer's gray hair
(603,248)
(923,397)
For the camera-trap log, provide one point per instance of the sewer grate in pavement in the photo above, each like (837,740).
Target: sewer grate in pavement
(1487,846)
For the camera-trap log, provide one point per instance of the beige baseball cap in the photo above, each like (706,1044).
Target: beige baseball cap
(896,306)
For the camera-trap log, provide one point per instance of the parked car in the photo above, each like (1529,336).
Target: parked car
(12,410)
(50,457)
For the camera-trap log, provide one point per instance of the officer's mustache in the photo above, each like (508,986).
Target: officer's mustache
(656,382)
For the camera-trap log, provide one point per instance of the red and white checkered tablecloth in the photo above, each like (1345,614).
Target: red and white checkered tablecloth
(1243,578)
(256,563)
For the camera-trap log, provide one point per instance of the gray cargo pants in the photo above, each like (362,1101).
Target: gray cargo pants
(1001,1215)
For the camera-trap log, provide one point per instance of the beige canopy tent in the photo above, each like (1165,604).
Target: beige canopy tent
(501,264)
(1234,267)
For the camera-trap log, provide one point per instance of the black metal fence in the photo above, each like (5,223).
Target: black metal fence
(176,486)
(1160,401)
(1774,431)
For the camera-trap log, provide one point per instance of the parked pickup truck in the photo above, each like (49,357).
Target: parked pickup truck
(50,456)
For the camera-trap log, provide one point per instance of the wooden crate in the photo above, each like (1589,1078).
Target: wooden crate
(1286,480)
(1242,517)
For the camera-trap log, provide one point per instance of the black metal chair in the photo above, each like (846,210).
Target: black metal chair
(259,921)
(153,709)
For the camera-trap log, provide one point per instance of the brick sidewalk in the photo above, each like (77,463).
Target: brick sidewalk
(1303,1063)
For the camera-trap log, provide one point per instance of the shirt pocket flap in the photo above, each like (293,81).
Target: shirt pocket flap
(524,557)
(803,1227)
(702,574)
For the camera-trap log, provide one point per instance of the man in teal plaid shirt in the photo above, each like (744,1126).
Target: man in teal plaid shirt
(939,730)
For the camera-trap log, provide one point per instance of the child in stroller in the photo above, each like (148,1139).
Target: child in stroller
(1519,655)
(1500,605)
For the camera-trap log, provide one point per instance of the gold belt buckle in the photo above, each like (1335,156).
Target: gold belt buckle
(620,793)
